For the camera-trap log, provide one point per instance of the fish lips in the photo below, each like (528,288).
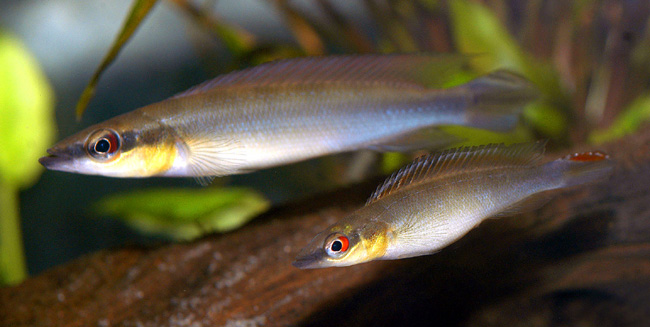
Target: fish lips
(310,260)
(60,160)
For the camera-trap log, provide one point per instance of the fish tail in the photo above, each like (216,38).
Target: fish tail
(581,168)
(497,99)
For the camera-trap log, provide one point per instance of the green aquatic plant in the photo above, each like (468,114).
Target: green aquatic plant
(138,12)
(628,122)
(26,129)
(476,29)
(185,214)
(559,57)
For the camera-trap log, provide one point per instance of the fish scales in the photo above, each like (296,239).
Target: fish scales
(452,205)
(437,199)
(277,120)
(292,110)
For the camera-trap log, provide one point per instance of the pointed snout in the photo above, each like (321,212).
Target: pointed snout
(63,156)
(56,160)
(308,261)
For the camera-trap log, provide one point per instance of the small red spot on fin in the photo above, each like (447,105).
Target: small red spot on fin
(588,156)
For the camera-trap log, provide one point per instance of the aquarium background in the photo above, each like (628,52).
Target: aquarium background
(590,58)
(168,54)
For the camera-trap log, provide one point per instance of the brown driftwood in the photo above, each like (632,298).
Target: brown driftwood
(584,259)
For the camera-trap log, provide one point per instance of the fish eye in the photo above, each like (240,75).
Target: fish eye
(337,244)
(103,144)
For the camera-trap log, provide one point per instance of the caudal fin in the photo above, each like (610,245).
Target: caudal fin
(582,168)
(497,100)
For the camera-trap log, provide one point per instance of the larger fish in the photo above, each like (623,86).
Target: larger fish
(288,111)
(439,198)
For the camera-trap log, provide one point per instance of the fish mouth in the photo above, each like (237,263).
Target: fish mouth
(56,160)
(308,261)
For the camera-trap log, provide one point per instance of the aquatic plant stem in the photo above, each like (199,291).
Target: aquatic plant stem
(12,258)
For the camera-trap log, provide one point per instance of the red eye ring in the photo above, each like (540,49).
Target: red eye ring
(112,139)
(337,245)
(345,243)
(106,144)
(103,144)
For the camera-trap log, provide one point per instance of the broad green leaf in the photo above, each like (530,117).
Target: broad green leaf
(26,129)
(626,123)
(26,114)
(138,12)
(185,214)
(477,30)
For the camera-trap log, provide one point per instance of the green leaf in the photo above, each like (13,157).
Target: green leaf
(476,30)
(626,123)
(549,120)
(26,114)
(391,161)
(26,129)
(12,259)
(139,11)
(185,214)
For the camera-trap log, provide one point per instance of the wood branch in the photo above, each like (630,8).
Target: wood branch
(581,260)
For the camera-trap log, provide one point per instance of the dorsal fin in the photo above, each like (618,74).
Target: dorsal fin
(424,69)
(460,160)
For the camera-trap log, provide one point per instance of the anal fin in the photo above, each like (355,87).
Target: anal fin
(528,204)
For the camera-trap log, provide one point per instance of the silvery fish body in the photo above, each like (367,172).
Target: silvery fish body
(292,110)
(439,198)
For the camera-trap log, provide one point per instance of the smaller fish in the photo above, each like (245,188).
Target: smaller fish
(438,198)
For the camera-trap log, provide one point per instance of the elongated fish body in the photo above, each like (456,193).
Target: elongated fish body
(439,198)
(289,111)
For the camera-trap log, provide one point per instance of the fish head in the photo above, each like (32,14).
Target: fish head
(342,245)
(114,148)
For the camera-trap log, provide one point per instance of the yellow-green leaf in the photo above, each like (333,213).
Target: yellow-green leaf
(185,214)
(26,114)
(26,130)
(547,119)
(391,161)
(626,123)
(476,30)
(138,12)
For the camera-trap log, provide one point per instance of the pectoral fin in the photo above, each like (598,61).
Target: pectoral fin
(207,158)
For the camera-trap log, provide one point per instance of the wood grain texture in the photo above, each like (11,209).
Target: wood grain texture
(583,259)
